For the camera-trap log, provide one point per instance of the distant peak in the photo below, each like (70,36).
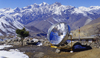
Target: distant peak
(43,4)
(17,9)
(57,3)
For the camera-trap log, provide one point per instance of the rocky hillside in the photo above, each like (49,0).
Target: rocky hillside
(89,29)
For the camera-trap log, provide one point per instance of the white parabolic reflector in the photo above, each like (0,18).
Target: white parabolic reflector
(58,33)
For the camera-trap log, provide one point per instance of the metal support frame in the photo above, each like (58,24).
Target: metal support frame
(52,46)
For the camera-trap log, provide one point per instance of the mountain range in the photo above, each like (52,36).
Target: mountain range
(37,18)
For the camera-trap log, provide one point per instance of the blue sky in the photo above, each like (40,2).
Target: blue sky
(22,3)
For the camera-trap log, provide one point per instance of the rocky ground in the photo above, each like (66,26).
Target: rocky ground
(45,51)
(34,51)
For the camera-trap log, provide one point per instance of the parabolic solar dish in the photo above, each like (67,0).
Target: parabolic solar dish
(58,33)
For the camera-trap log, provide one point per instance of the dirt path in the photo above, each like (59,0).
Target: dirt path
(47,52)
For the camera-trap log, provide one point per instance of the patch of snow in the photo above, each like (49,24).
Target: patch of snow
(50,22)
(39,44)
(1,34)
(2,10)
(2,28)
(87,21)
(78,10)
(10,29)
(57,11)
(2,20)
(16,14)
(9,11)
(8,16)
(12,54)
(55,19)
(35,40)
(3,46)
(18,24)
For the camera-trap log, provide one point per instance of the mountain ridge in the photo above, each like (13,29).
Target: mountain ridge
(42,16)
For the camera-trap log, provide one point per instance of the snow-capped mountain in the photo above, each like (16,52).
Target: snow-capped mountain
(43,15)
(85,10)
(8,25)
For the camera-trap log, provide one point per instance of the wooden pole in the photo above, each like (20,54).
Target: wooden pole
(71,45)
(79,33)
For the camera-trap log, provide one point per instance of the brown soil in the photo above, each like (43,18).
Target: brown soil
(93,53)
